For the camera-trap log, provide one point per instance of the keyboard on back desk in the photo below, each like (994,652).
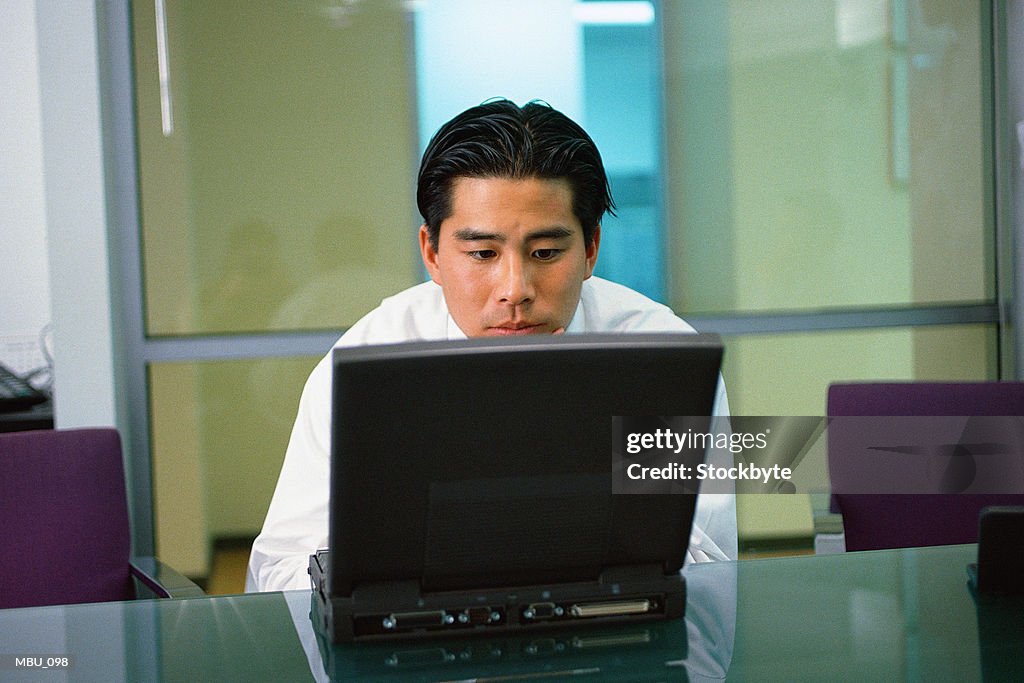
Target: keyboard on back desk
(16,393)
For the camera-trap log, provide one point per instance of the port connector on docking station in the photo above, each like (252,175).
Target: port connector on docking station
(550,611)
(613,608)
(398,622)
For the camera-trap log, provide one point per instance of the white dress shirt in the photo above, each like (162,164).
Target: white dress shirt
(296,523)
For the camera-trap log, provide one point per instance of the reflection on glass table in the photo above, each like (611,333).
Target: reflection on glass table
(880,615)
(696,648)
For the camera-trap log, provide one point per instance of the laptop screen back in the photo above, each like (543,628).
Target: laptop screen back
(478,463)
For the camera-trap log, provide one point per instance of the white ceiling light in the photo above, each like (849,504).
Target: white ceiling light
(614,13)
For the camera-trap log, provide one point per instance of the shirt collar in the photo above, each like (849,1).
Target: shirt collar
(579,320)
(454,331)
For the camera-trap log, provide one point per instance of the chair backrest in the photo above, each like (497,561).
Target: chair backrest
(64,530)
(875,521)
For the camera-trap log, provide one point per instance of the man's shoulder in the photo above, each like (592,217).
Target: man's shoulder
(611,307)
(426,294)
(418,312)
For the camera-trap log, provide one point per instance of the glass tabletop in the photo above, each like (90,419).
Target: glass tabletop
(905,614)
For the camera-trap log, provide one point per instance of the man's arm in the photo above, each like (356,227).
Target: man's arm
(714,524)
(296,523)
(610,307)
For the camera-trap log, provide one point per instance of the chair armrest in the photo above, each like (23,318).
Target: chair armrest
(162,579)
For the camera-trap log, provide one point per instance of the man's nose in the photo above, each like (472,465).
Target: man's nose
(516,286)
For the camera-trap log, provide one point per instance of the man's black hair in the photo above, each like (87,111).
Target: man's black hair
(499,139)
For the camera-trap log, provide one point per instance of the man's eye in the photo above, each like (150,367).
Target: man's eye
(546,254)
(482,254)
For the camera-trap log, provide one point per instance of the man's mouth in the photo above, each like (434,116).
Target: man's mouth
(513,329)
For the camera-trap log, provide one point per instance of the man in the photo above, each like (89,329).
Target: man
(512,200)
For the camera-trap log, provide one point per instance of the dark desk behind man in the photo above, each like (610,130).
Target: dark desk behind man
(39,416)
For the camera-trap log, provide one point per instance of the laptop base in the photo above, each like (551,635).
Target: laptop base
(398,609)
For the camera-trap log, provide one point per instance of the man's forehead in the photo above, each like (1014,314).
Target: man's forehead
(540,206)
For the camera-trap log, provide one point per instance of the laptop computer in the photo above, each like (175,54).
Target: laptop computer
(471,485)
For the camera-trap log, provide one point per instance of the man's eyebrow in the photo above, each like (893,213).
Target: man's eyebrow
(556,232)
(477,235)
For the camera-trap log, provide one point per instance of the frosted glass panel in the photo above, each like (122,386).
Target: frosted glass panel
(219,435)
(826,154)
(283,197)
(789,374)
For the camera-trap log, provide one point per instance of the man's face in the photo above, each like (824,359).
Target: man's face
(511,258)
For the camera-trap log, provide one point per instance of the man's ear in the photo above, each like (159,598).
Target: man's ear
(429,255)
(591,251)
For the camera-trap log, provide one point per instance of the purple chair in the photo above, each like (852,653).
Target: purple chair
(64,532)
(875,521)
